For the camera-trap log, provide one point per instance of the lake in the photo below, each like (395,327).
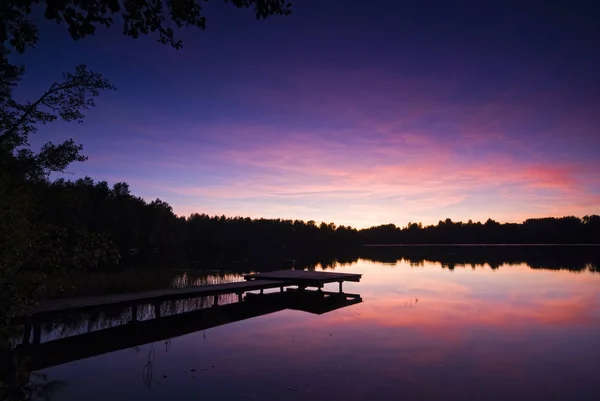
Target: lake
(428,328)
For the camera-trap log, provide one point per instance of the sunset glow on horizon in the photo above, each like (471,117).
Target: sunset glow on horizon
(337,117)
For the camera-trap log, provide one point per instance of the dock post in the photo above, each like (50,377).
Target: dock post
(134,313)
(320,288)
(216,300)
(281,289)
(261,291)
(157,310)
(37,333)
(341,287)
(239,294)
(26,334)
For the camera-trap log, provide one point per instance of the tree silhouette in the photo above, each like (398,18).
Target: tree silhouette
(564,230)
(65,100)
(82,18)
(46,226)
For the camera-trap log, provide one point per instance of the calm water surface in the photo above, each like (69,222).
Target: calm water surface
(422,332)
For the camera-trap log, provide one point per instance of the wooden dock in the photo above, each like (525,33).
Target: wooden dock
(254,282)
(43,354)
(63,350)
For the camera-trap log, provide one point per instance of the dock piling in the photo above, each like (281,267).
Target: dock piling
(134,313)
(26,334)
(37,333)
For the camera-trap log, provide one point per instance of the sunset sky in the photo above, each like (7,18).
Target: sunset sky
(356,112)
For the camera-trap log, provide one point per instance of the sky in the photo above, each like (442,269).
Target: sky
(354,112)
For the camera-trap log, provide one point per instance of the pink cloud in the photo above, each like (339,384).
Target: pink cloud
(420,176)
(364,148)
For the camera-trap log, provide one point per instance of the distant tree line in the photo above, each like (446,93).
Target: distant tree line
(94,225)
(550,230)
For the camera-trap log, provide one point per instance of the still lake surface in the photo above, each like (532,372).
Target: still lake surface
(425,330)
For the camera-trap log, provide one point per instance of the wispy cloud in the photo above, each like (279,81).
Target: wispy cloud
(394,180)
(362,148)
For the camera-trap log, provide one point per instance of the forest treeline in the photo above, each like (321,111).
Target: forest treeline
(95,225)
(107,222)
(550,230)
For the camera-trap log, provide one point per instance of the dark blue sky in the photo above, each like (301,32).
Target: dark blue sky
(349,111)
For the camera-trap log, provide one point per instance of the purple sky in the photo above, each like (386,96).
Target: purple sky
(355,112)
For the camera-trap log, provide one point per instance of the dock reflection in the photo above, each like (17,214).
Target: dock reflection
(135,332)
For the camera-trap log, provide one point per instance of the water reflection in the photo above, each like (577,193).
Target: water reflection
(491,330)
(550,257)
(184,316)
(573,258)
(191,278)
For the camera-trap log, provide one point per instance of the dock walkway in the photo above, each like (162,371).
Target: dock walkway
(254,282)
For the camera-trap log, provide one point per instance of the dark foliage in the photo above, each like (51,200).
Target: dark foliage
(48,226)
(134,226)
(81,18)
(61,226)
(564,230)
